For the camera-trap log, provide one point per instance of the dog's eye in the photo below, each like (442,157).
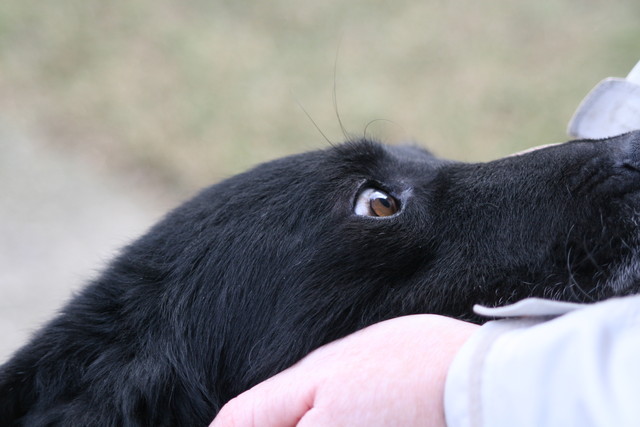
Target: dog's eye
(373,202)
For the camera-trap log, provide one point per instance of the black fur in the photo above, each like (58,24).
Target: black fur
(258,270)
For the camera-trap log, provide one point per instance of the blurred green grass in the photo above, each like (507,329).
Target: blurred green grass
(192,91)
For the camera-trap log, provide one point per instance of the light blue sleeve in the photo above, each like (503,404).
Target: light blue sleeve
(579,369)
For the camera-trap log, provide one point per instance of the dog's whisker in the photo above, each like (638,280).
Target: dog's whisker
(304,110)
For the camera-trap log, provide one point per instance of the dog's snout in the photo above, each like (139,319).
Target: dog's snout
(629,151)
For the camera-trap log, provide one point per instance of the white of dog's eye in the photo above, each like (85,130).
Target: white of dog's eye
(374,202)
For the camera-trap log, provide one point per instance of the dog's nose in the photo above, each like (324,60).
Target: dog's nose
(628,150)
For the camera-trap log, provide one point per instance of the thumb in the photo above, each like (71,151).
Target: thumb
(277,402)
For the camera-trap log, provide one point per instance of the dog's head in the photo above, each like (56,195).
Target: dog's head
(258,270)
(302,250)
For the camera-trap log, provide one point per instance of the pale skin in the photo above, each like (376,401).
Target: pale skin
(391,373)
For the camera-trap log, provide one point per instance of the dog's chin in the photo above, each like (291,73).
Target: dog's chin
(625,279)
(624,275)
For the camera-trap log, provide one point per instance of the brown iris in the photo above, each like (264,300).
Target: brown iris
(382,204)
(376,203)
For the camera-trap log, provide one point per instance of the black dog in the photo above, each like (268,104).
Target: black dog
(257,271)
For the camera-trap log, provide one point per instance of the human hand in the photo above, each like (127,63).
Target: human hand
(390,373)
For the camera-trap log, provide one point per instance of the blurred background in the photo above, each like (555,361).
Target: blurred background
(113,112)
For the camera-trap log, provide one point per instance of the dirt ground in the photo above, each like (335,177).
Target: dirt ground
(60,221)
